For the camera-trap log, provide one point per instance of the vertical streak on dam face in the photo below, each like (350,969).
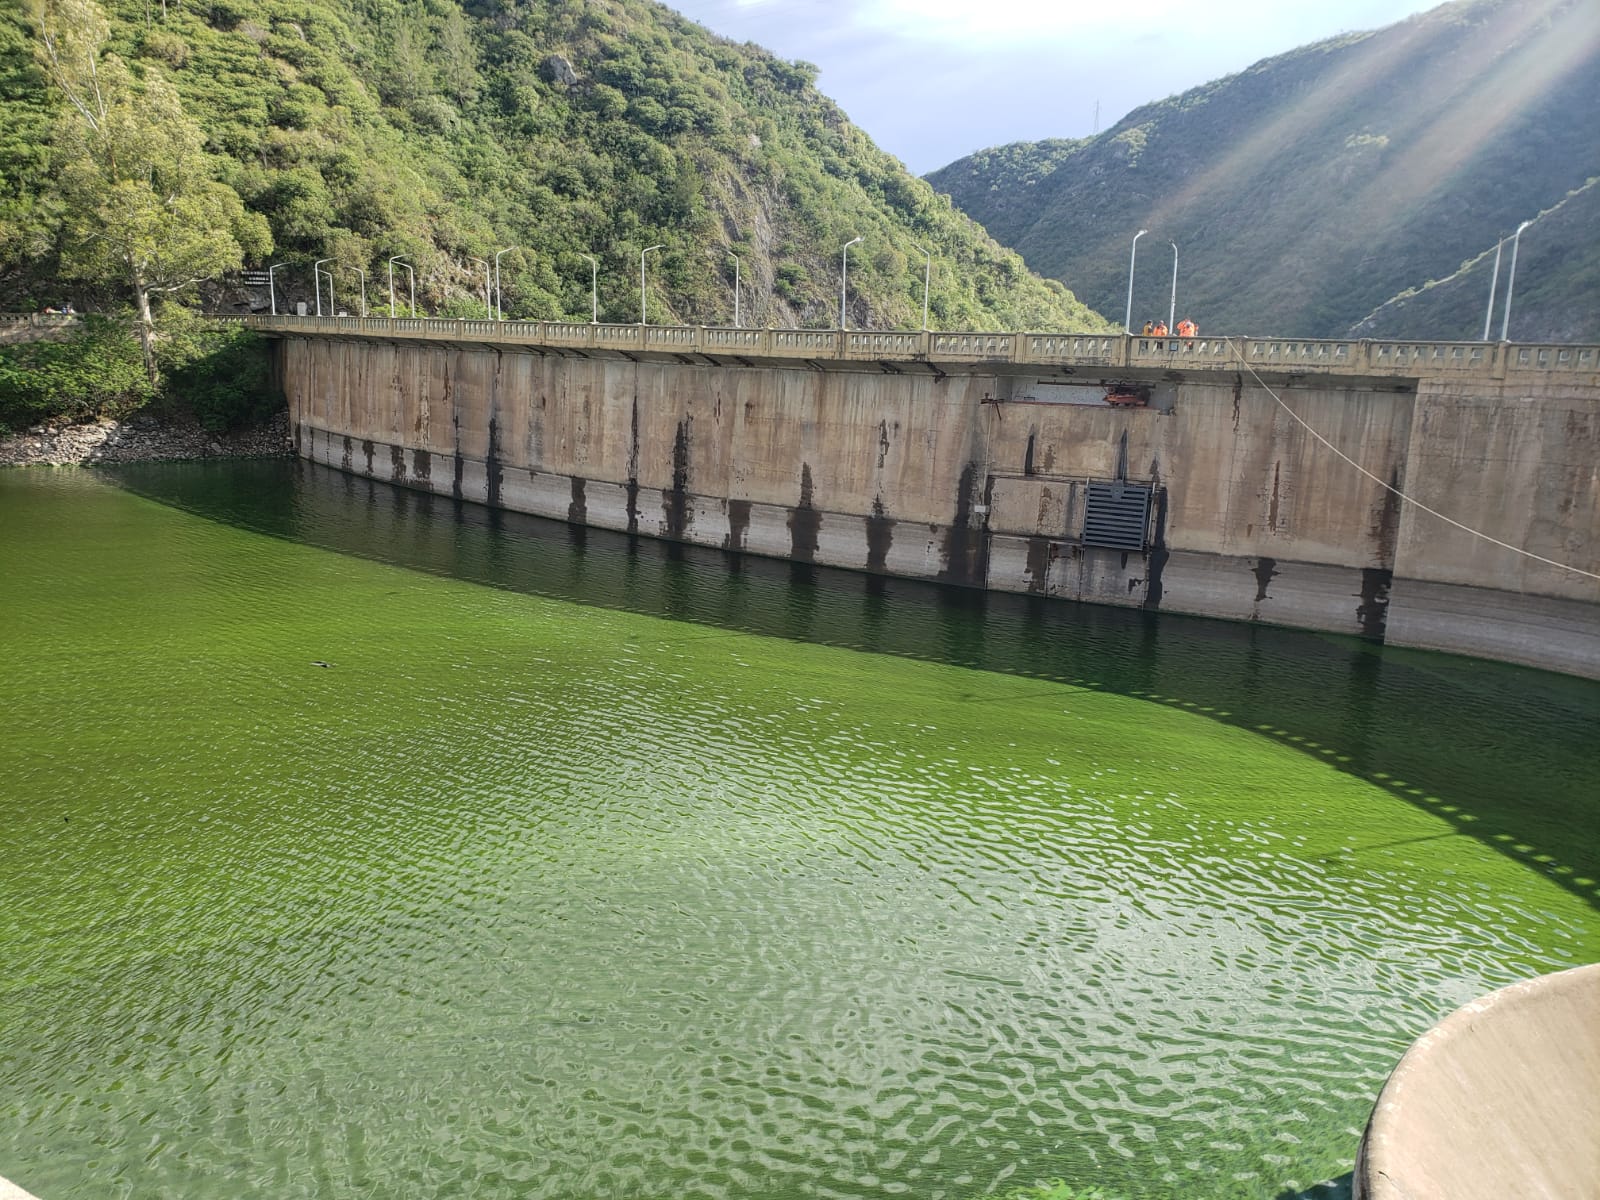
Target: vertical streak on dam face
(494,468)
(979,479)
(880,537)
(675,503)
(633,465)
(1373,611)
(805,522)
(965,547)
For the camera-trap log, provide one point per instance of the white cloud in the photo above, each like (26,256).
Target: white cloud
(1008,22)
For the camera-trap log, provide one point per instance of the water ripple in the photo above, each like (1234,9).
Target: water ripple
(530,898)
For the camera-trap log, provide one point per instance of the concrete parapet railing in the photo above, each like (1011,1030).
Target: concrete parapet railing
(1500,1099)
(36,327)
(1277,356)
(10,1191)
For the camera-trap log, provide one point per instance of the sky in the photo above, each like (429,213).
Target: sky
(933,80)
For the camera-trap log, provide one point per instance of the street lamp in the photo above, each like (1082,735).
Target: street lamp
(316,278)
(488,311)
(594,288)
(363,275)
(401,260)
(1172,313)
(272,291)
(642,253)
(735,257)
(1511,279)
(844,268)
(499,313)
(1127,320)
(927,275)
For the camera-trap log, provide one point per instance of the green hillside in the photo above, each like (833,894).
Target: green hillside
(1307,191)
(443,131)
(1554,290)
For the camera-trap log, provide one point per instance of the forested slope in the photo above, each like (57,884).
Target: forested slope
(1306,192)
(442,131)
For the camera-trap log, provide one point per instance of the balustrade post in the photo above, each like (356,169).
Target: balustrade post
(1501,360)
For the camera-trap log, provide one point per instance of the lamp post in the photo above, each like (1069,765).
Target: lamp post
(1494,282)
(1511,279)
(1172,313)
(488,311)
(1127,320)
(499,313)
(401,260)
(927,276)
(272,291)
(363,275)
(642,253)
(316,278)
(844,270)
(735,257)
(594,288)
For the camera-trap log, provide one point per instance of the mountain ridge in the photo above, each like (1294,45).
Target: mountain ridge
(1310,190)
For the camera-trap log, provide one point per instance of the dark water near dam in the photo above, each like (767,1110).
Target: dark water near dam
(357,843)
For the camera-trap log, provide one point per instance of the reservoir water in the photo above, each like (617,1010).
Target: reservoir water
(356,843)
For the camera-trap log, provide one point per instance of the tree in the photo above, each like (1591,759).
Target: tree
(138,188)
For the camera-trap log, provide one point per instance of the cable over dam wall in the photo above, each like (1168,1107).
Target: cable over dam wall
(994,461)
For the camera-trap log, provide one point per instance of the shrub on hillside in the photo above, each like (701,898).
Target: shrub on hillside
(97,373)
(221,376)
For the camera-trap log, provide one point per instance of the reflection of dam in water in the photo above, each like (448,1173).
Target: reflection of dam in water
(597,865)
(992,461)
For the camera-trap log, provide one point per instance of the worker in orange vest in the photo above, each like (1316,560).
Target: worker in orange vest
(1160,330)
(1187,328)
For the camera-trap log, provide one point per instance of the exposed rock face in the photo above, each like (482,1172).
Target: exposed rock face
(560,70)
(141,439)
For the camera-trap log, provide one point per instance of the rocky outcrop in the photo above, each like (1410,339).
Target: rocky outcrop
(141,439)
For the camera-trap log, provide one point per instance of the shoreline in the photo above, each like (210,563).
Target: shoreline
(142,438)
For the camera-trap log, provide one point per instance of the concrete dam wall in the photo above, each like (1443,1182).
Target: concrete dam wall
(983,469)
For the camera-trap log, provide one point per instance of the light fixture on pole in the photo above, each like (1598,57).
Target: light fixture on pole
(642,253)
(1127,320)
(316,278)
(594,288)
(927,276)
(844,270)
(1494,282)
(499,313)
(272,291)
(736,322)
(1511,279)
(1172,313)
(399,258)
(363,275)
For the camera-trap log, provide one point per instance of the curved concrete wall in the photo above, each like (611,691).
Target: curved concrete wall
(1501,1098)
(978,472)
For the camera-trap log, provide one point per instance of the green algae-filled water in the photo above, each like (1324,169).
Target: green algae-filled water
(589,868)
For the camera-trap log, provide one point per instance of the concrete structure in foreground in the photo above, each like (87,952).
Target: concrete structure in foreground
(994,460)
(1500,1099)
(10,1191)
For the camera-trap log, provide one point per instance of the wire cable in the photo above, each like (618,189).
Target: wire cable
(1432,512)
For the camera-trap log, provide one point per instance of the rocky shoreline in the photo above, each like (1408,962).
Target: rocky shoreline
(140,439)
